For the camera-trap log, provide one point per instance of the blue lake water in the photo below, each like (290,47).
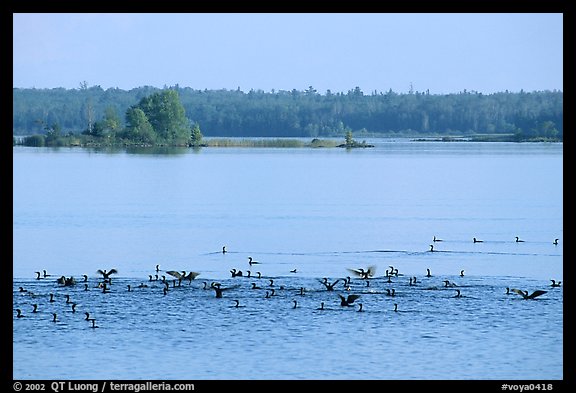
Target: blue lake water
(319,211)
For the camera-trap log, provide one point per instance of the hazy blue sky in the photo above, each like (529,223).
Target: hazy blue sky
(441,52)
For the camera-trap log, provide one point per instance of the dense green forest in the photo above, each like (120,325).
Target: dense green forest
(307,113)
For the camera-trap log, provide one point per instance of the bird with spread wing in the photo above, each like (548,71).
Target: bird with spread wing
(216,286)
(525,295)
(347,301)
(183,276)
(106,274)
(329,287)
(364,273)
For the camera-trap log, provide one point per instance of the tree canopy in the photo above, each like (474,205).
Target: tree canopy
(294,113)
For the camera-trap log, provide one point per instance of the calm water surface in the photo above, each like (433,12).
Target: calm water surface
(319,211)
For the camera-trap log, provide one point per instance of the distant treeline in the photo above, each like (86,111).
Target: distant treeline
(234,113)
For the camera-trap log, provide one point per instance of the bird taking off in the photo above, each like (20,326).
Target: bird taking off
(364,273)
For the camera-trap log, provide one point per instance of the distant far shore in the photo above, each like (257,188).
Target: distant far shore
(266,142)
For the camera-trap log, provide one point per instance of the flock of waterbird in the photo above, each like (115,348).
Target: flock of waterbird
(104,285)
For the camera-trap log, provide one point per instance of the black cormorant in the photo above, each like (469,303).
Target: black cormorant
(364,274)
(106,274)
(347,301)
(525,295)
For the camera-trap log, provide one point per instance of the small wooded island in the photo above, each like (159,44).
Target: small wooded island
(159,119)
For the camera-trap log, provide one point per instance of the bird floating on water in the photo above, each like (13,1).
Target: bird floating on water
(393,271)
(555,284)
(66,281)
(518,240)
(347,301)
(252,262)
(236,273)
(461,273)
(183,276)
(428,274)
(447,284)
(525,295)
(329,287)
(477,241)
(106,274)
(458,294)
(436,239)
(216,286)
(555,242)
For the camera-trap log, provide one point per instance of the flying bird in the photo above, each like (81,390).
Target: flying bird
(364,273)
